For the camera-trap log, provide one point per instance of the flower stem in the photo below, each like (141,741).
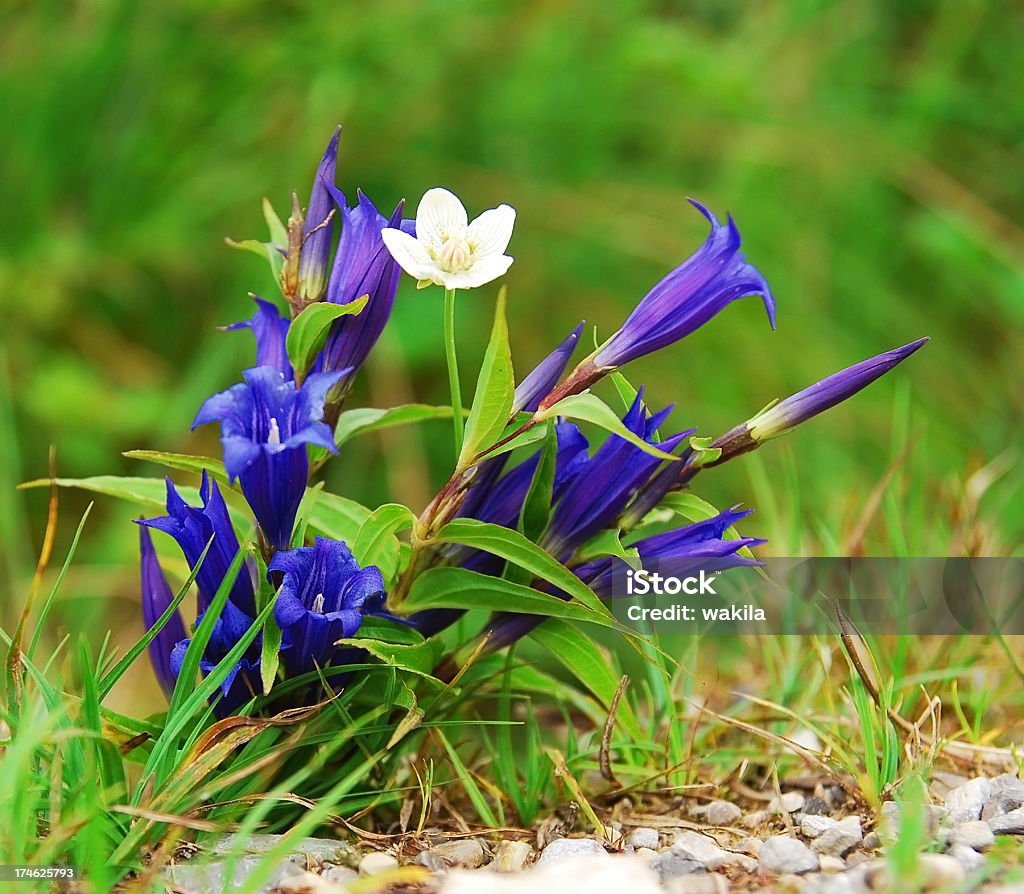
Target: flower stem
(453,367)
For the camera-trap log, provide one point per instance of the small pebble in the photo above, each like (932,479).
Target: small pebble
(815,806)
(750,846)
(722,813)
(790,802)
(431,861)
(756,819)
(642,837)
(871,842)
(512,856)
(812,825)
(783,855)
(646,854)
(1007,795)
(669,866)
(846,834)
(975,834)
(339,875)
(465,853)
(1011,823)
(937,871)
(831,864)
(694,846)
(376,862)
(965,802)
(561,848)
(968,858)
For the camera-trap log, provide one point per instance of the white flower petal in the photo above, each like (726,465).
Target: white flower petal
(410,254)
(490,233)
(440,214)
(482,271)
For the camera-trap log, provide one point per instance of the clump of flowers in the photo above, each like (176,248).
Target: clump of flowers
(531,516)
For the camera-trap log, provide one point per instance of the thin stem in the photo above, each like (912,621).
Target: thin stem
(453,367)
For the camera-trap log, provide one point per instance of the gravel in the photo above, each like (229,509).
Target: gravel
(465,853)
(1011,823)
(642,837)
(511,856)
(722,813)
(376,862)
(842,837)
(561,848)
(975,834)
(965,802)
(200,878)
(668,865)
(783,855)
(801,848)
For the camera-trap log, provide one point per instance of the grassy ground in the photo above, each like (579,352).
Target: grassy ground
(870,154)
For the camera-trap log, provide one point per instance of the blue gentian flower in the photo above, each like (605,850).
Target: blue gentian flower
(192,528)
(318,227)
(243,680)
(502,503)
(323,597)
(156,597)
(698,289)
(362,266)
(541,381)
(778,418)
(271,332)
(787,414)
(677,553)
(602,487)
(266,423)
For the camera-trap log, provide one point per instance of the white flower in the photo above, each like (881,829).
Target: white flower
(448,250)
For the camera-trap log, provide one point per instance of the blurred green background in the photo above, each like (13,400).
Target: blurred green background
(870,152)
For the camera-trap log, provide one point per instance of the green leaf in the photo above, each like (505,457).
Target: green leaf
(367,419)
(627,393)
(536,511)
(530,436)
(185,462)
(703,452)
(465,589)
(337,517)
(581,656)
(495,387)
(420,658)
(115,673)
(148,492)
(604,543)
(265,250)
(308,331)
(376,544)
(514,547)
(590,408)
(278,231)
(385,631)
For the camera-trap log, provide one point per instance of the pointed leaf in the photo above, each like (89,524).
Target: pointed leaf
(308,331)
(461,588)
(367,419)
(495,388)
(514,547)
(590,408)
